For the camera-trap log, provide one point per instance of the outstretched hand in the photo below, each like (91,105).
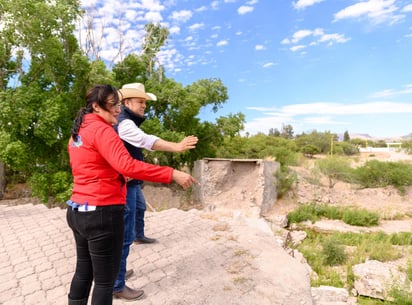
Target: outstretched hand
(183,179)
(188,143)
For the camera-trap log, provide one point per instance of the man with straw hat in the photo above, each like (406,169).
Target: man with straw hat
(134,97)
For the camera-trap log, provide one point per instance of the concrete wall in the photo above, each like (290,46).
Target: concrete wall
(236,184)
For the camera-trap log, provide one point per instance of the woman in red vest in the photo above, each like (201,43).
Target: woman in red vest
(100,163)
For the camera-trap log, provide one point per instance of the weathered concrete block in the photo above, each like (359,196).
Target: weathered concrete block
(243,184)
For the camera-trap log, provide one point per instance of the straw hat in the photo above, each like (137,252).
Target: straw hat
(135,90)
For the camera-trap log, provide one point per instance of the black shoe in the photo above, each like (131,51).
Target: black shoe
(145,240)
(129,273)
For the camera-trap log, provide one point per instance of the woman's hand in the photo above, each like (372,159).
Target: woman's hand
(183,179)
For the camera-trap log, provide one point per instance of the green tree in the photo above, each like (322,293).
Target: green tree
(322,140)
(42,91)
(231,125)
(309,150)
(287,131)
(175,112)
(335,168)
(155,38)
(274,132)
(346,137)
(37,94)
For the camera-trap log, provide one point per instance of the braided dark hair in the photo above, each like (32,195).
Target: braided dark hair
(97,94)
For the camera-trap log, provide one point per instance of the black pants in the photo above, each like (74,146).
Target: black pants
(99,238)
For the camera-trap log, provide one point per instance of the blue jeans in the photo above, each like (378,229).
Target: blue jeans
(140,211)
(98,235)
(133,219)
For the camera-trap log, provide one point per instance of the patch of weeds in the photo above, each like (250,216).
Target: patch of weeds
(401,296)
(333,252)
(332,255)
(215,237)
(240,252)
(239,280)
(314,212)
(237,267)
(360,217)
(409,271)
(329,277)
(401,239)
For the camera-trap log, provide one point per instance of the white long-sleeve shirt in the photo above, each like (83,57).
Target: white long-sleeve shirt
(131,133)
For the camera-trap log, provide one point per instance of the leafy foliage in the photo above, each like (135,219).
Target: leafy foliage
(335,168)
(314,212)
(333,252)
(381,174)
(51,76)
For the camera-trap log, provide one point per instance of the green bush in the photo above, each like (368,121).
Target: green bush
(360,217)
(381,174)
(401,239)
(56,186)
(333,252)
(401,297)
(309,150)
(285,178)
(335,168)
(313,212)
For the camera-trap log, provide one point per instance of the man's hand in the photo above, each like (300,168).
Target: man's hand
(187,143)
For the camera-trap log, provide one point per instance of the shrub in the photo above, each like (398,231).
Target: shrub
(285,178)
(333,252)
(381,174)
(360,217)
(313,212)
(309,150)
(335,168)
(57,186)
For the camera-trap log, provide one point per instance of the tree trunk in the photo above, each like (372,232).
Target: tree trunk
(2,180)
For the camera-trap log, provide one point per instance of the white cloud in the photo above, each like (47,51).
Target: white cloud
(252,2)
(378,11)
(222,43)
(154,17)
(245,9)
(152,5)
(317,34)
(325,108)
(302,4)
(174,30)
(392,92)
(201,9)
(407,8)
(196,26)
(311,116)
(330,38)
(297,48)
(259,47)
(299,35)
(181,16)
(215,5)
(269,64)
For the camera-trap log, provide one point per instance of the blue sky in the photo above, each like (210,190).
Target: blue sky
(325,65)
